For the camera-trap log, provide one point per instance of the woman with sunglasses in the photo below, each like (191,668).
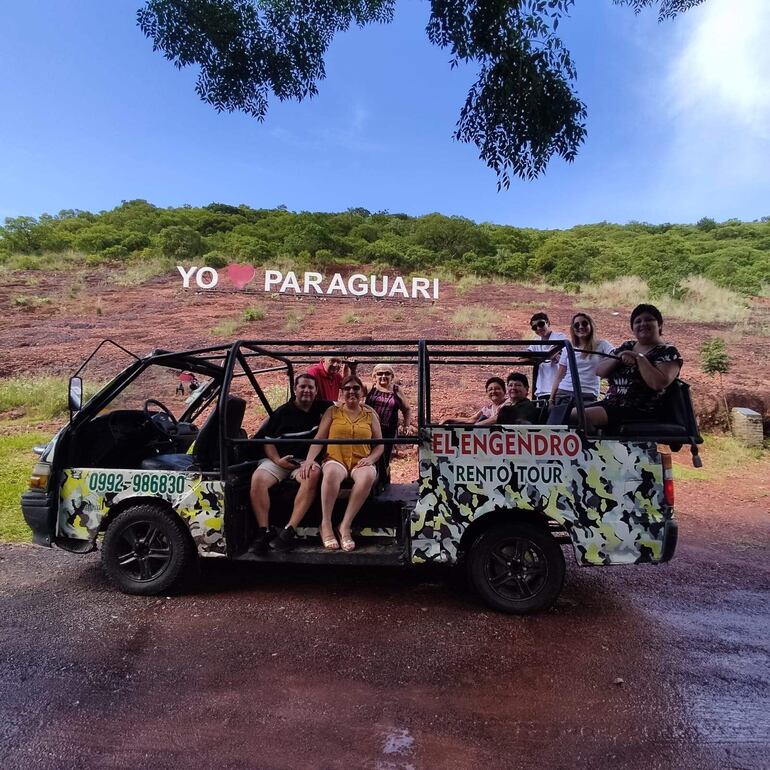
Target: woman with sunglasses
(386,399)
(351,418)
(583,336)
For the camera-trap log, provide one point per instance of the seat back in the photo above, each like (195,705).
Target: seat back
(676,419)
(206,451)
(559,415)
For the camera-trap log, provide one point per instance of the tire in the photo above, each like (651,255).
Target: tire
(146,550)
(517,568)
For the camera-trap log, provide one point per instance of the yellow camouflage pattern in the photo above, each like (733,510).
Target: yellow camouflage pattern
(87,495)
(608,495)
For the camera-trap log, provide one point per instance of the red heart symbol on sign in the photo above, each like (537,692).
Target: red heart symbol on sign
(240,275)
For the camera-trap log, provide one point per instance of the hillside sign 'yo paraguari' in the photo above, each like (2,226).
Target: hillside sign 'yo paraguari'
(356,285)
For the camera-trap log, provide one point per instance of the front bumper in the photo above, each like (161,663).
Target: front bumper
(36,508)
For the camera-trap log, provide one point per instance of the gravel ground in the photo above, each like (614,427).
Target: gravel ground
(274,666)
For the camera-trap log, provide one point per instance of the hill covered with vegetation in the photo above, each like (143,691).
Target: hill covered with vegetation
(732,254)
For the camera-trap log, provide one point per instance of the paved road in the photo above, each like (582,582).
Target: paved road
(270,666)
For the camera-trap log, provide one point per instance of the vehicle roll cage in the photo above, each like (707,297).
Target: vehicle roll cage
(226,362)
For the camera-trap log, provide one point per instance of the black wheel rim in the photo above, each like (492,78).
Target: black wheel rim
(143,551)
(516,569)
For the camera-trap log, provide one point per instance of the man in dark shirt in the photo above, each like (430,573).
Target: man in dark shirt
(518,409)
(298,418)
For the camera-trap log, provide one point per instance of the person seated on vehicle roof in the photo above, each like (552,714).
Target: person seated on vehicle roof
(387,399)
(645,367)
(297,418)
(351,419)
(546,372)
(518,409)
(583,334)
(495,388)
(329,373)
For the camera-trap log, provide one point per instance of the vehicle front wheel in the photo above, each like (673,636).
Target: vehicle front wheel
(517,567)
(146,550)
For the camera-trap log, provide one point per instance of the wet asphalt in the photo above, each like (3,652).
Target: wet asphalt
(276,666)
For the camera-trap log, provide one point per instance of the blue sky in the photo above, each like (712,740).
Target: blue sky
(679,122)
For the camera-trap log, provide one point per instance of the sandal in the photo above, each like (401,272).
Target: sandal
(348,544)
(329,543)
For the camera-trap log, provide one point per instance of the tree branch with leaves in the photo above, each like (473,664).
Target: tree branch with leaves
(522,110)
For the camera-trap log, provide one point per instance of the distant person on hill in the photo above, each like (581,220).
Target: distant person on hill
(518,409)
(546,372)
(583,335)
(645,367)
(495,389)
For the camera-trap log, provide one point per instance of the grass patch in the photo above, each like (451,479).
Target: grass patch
(16,461)
(137,273)
(34,398)
(294,319)
(30,302)
(723,455)
(474,322)
(702,299)
(50,262)
(253,313)
(227,327)
(351,318)
(469,282)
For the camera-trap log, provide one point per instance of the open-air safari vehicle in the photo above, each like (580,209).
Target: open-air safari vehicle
(164,475)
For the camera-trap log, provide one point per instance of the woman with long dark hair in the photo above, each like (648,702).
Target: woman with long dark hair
(583,337)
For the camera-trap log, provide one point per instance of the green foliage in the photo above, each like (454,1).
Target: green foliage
(667,257)
(521,110)
(180,242)
(34,398)
(254,313)
(16,463)
(713,357)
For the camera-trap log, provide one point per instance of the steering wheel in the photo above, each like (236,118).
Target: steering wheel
(163,421)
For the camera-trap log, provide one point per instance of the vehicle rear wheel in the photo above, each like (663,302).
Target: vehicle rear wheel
(146,550)
(517,568)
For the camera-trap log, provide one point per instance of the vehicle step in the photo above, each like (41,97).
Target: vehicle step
(389,554)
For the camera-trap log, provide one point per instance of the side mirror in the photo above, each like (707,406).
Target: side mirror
(75,395)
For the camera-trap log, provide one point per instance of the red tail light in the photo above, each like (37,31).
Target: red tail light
(668,480)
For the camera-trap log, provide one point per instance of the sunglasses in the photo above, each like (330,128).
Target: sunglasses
(352,388)
(384,374)
(581,325)
(537,325)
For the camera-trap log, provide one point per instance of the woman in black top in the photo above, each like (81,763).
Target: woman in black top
(645,367)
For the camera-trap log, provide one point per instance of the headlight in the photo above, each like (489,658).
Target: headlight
(39,477)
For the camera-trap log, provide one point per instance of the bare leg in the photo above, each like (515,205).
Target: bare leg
(333,476)
(363,480)
(261,481)
(304,497)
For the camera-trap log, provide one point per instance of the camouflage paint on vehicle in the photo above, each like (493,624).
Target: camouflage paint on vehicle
(88,494)
(608,495)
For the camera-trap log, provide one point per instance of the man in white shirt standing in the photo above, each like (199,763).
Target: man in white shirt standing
(546,372)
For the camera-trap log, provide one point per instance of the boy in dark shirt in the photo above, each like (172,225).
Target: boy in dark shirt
(298,418)
(518,409)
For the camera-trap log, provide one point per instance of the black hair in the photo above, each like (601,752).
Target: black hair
(540,317)
(644,308)
(518,377)
(305,376)
(498,380)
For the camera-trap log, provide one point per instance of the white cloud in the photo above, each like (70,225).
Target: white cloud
(717,100)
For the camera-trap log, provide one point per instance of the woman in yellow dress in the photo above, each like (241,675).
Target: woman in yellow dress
(350,419)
